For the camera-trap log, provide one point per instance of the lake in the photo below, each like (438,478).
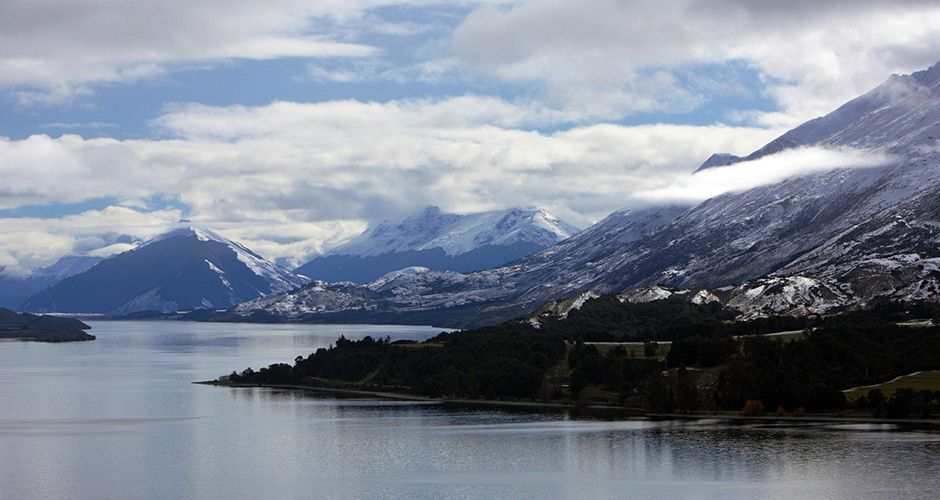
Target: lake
(119,418)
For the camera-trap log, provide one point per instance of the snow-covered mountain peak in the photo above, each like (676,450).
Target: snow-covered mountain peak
(394,275)
(440,241)
(187,267)
(68,265)
(457,234)
(902,115)
(718,160)
(187,230)
(280,279)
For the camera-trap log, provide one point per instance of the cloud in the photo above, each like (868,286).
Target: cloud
(77,125)
(432,71)
(29,242)
(608,59)
(293,179)
(772,169)
(51,52)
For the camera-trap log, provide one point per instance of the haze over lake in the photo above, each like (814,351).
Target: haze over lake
(119,418)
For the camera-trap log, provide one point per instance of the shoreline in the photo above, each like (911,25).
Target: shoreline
(585,410)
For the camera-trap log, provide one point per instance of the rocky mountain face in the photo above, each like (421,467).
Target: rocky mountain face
(184,269)
(844,236)
(440,241)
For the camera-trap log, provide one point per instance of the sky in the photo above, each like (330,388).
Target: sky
(293,125)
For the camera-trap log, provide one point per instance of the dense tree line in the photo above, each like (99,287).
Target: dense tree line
(509,360)
(845,351)
(713,362)
(615,371)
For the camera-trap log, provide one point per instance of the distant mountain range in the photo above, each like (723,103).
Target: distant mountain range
(440,241)
(184,269)
(838,238)
(194,268)
(15,291)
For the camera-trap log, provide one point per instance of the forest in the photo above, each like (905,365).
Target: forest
(712,363)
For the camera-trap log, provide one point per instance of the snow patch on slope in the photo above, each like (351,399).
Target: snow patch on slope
(280,279)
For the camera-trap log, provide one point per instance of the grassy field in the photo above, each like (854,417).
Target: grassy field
(929,380)
(786,336)
(634,349)
(917,323)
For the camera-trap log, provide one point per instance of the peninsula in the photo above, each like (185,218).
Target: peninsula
(35,328)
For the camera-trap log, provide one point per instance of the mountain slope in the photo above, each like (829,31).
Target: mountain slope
(449,298)
(66,266)
(183,269)
(846,235)
(796,226)
(15,291)
(440,241)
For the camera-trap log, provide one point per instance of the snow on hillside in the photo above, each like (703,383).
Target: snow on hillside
(280,279)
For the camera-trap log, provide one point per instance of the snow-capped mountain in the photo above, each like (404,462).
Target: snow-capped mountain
(450,298)
(440,241)
(66,266)
(844,236)
(183,269)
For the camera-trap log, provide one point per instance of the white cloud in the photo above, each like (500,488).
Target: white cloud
(432,71)
(30,242)
(51,52)
(772,169)
(608,59)
(292,179)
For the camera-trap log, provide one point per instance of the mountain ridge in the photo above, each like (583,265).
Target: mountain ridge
(186,268)
(440,241)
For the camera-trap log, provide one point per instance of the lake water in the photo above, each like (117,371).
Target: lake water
(118,418)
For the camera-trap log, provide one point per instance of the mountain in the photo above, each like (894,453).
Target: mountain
(440,241)
(449,298)
(184,269)
(842,237)
(15,291)
(66,266)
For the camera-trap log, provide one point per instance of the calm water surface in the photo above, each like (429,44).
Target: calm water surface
(118,418)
